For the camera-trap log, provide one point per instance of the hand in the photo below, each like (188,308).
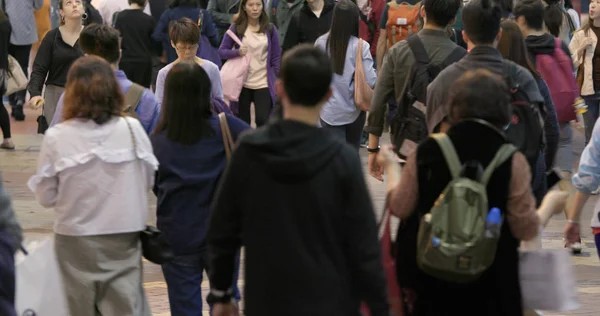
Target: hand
(572,232)
(243,51)
(228,309)
(588,41)
(387,156)
(375,170)
(35,102)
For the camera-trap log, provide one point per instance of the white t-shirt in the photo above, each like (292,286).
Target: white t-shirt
(108,7)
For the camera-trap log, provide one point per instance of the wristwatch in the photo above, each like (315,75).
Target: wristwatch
(219,297)
(373,150)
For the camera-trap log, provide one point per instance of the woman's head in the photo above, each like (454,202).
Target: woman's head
(512,46)
(480,94)
(553,16)
(344,25)
(184,35)
(251,10)
(186,104)
(594,10)
(70,10)
(184,3)
(92,91)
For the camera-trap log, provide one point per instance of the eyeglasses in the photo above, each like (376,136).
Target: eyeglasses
(186,48)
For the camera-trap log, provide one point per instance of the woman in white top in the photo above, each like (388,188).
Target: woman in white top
(340,113)
(95,169)
(261,42)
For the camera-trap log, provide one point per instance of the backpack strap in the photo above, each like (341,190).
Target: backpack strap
(133,97)
(449,152)
(506,151)
(418,49)
(455,55)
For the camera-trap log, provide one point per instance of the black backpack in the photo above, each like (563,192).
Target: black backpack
(526,130)
(408,126)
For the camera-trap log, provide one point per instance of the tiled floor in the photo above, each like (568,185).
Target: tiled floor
(18,165)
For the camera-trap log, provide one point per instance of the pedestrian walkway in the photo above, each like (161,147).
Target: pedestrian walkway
(17,166)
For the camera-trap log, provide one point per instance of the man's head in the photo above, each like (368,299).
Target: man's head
(184,35)
(481,22)
(102,41)
(529,15)
(305,78)
(440,13)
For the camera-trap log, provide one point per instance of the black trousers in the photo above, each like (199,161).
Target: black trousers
(4,121)
(138,72)
(21,54)
(262,105)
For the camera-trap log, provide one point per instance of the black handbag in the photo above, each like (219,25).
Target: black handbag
(42,124)
(154,248)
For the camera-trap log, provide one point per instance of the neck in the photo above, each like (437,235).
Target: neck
(531,32)
(431,26)
(73,25)
(114,67)
(470,46)
(596,23)
(253,22)
(135,6)
(316,5)
(299,113)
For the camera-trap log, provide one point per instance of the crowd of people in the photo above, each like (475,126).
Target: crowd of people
(133,101)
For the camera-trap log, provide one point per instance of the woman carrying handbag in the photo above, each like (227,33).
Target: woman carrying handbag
(344,113)
(259,40)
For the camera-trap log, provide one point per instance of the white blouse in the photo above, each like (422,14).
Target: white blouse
(93,178)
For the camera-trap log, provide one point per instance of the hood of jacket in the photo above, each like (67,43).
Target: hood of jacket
(543,44)
(291,151)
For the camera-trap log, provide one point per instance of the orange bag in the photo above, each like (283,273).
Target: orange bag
(403,20)
(363,93)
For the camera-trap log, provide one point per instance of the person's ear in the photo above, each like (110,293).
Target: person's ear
(465,37)
(172,44)
(499,36)
(280,89)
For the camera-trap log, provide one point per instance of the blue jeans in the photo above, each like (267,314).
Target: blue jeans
(184,283)
(591,116)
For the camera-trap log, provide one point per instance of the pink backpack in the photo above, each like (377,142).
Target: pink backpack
(234,72)
(557,71)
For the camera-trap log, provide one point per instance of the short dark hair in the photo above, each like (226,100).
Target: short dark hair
(184,3)
(481,21)
(101,40)
(92,91)
(186,105)
(441,12)
(532,11)
(306,73)
(141,3)
(184,31)
(480,94)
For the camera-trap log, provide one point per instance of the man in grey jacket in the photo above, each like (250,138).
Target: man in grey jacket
(481,29)
(222,12)
(10,239)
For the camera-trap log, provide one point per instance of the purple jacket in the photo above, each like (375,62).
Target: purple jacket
(230,49)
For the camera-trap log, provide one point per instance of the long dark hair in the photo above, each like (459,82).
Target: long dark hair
(184,3)
(241,23)
(553,17)
(512,46)
(186,104)
(344,25)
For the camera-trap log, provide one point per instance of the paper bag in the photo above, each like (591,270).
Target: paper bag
(39,284)
(547,280)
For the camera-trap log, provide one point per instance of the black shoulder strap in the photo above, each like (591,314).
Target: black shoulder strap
(455,55)
(510,71)
(418,49)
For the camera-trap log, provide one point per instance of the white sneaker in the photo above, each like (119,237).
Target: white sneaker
(576,248)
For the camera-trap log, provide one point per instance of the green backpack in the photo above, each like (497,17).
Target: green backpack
(452,243)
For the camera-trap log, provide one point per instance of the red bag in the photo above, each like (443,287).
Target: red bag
(389,265)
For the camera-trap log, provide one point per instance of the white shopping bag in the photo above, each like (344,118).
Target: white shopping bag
(547,280)
(39,284)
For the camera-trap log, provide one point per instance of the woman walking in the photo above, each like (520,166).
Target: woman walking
(260,40)
(95,169)
(5,30)
(340,114)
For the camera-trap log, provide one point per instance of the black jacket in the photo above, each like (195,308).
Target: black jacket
(296,199)
(306,27)
(93,16)
(5,30)
(543,44)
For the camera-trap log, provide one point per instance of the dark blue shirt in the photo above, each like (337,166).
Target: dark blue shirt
(186,182)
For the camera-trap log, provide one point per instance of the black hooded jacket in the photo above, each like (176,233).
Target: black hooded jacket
(306,27)
(296,199)
(543,44)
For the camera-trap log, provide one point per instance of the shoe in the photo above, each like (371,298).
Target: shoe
(17,112)
(575,247)
(7,145)
(595,192)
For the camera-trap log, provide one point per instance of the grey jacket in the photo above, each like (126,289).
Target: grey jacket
(221,12)
(284,16)
(8,221)
(479,57)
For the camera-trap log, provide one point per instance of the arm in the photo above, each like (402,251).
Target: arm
(369,69)
(403,192)
(236,126)
(276,53)
(147,111)
(44,184)
(382,40)
(384,90)
(41,65)
(362,245)
(8,220)
(227,51)
(551,128)
(160,86)
(209,30)
(219,17)
(292,36)
(522,217)
(58,113)
(160,32)
(578,48)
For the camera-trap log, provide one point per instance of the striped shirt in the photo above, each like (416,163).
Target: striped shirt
(22,20)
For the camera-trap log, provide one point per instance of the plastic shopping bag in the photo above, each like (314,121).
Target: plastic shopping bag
(39,283)
(547,280)
(234,72)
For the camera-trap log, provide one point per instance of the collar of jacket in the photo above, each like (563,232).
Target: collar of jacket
(328,5)
(489,52)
